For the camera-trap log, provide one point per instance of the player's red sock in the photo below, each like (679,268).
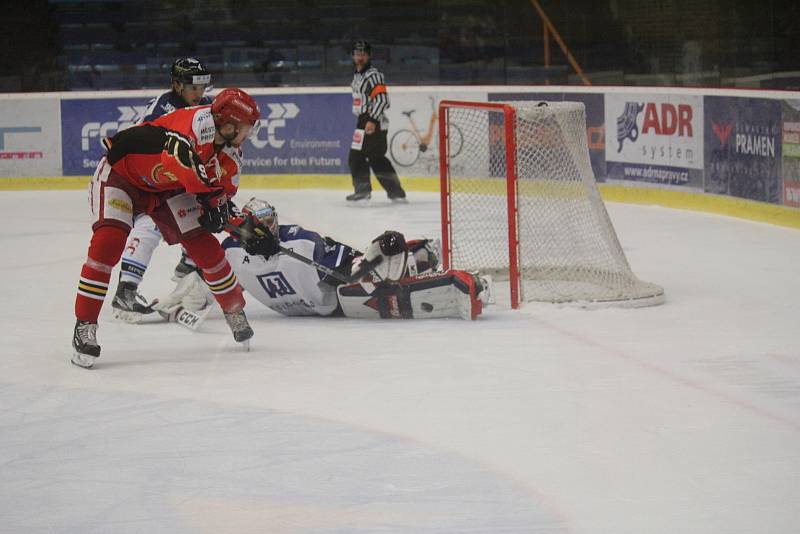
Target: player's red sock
(105,250)
(207,253)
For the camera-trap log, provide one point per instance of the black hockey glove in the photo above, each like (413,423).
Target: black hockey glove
(256,239)
(233,209)
(391,243)
(179,148)
(215,211)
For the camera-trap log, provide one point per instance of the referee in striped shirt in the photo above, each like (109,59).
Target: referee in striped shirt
(368,149)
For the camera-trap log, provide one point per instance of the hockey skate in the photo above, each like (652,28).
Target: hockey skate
(359,198)
(398,198)
(129,305)
(242,332)
(84,344)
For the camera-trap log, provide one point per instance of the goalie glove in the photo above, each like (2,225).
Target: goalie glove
(261,241)
(256,239)
(389,253)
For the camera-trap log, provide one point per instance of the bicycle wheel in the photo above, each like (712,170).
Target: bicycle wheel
(456,140)
(404,148)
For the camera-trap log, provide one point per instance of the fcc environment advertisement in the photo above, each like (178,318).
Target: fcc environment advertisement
(655,138)
(743,154)
(298,134)
(301,134)
(30,140)
(85,122)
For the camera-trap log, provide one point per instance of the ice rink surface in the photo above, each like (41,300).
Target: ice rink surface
(683,418)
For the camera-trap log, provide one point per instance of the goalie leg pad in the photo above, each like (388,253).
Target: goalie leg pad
(435,295)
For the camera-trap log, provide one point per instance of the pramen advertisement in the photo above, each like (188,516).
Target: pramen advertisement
(30,142)
(299,134)
(743,147)
(595,121)
(655,138)
(791,152)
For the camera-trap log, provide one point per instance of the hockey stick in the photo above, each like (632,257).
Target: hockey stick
(191,319)
(363,268)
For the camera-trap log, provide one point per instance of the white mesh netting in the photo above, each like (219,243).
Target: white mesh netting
(568,250)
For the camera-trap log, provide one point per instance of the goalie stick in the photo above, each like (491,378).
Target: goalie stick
(363,268)
(191,319)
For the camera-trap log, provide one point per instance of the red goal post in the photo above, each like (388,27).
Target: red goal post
(511,185)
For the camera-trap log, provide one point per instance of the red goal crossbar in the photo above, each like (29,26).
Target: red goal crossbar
(509,115)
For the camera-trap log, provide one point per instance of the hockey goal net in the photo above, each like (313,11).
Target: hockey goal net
(519,200)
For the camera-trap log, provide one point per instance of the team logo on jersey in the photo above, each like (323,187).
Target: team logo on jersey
(183,212)
(275,284)
(159,176)
(278,115)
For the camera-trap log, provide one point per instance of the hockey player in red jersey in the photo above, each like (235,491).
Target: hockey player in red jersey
(180,169)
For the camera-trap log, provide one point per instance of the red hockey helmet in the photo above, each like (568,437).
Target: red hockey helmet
(234,106)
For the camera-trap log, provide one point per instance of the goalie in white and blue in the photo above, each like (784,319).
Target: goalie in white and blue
(402,280)
(281,282)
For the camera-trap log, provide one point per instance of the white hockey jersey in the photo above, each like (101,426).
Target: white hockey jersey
(285,284)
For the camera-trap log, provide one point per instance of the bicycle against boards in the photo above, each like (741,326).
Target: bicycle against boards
(407,145)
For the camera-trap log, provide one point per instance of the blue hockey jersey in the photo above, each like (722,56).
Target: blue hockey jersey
(167,103)
(284,284)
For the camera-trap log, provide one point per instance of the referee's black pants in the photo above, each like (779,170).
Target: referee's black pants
(373,155)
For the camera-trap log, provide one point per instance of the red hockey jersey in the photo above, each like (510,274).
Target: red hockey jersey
(139,154)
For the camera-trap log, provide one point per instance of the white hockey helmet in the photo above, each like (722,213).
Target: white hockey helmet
(264,212)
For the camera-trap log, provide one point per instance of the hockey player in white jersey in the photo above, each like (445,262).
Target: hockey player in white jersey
(401,279)
(190,79)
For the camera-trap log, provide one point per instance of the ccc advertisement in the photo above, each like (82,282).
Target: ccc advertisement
(655,138)
(298,134)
